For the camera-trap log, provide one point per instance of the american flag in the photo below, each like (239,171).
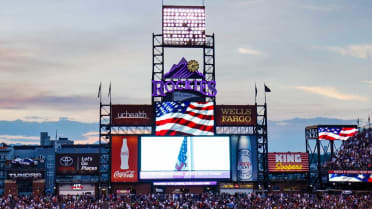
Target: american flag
(336,133)
(182,156)
(187,118)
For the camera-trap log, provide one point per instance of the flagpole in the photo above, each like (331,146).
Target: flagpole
(255,94)
(191,168)
(100,136)
(265,92)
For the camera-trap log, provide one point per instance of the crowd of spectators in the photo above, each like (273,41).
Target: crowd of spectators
(354,153)
(191,201)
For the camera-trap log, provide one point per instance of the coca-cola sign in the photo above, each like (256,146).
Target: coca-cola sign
(132,115)
(124,159)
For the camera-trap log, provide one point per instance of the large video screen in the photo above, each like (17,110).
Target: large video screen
(189,157)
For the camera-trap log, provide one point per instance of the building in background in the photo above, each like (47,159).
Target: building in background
(5,153)
(45,139)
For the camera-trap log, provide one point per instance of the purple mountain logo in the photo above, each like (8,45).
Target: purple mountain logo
(180,71)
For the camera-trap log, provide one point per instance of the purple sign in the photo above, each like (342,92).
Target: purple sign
(181,70)
(184,70)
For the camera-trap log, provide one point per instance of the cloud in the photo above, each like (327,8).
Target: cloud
(70,102)
(250,51)
(13,139)
(244,2)
(362,51)
(369,82)
(323,8)
(91,133)
(26,96)
(90,138)
(331,93)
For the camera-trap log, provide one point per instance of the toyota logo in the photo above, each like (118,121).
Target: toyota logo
(66,161)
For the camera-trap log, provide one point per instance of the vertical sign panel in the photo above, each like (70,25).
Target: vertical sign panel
(124,155)
(244,153)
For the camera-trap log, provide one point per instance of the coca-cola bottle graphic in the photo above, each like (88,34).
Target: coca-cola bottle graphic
(124,155)
(244,162)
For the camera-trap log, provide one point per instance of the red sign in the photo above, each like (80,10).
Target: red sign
(132,115)
(235,115)
(288,162)
(124,155)
(77,187)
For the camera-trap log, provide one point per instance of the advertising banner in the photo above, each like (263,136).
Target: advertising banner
(132,115)
(25,174)
(81,164)
(77,189)
(288,162)
(235,115)
(244,153)
(124,158)
(191,157)
(350,177)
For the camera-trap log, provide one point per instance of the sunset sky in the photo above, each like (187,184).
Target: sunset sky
(316,56)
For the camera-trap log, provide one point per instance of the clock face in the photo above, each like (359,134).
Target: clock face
(193,66)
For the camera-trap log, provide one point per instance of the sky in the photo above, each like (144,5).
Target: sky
(316,56)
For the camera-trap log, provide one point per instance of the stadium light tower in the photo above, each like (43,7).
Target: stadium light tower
(183,25)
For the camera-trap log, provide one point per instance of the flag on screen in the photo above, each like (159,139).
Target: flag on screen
(337,133)
(182,156)
(188,118)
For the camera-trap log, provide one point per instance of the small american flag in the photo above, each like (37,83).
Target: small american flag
(182,156)
(336,133)
(188,118)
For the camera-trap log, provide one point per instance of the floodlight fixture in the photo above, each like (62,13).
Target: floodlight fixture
(183,25)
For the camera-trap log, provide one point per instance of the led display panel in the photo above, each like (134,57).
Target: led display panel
(185,157)
(188,118)
(350,177)
(184,25)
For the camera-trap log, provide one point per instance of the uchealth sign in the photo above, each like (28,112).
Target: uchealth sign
(235,115)
(124,159)
(132,115)
(288,162)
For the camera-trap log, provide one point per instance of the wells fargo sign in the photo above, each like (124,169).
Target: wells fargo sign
(132,115)
(288,162)
(235,115)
